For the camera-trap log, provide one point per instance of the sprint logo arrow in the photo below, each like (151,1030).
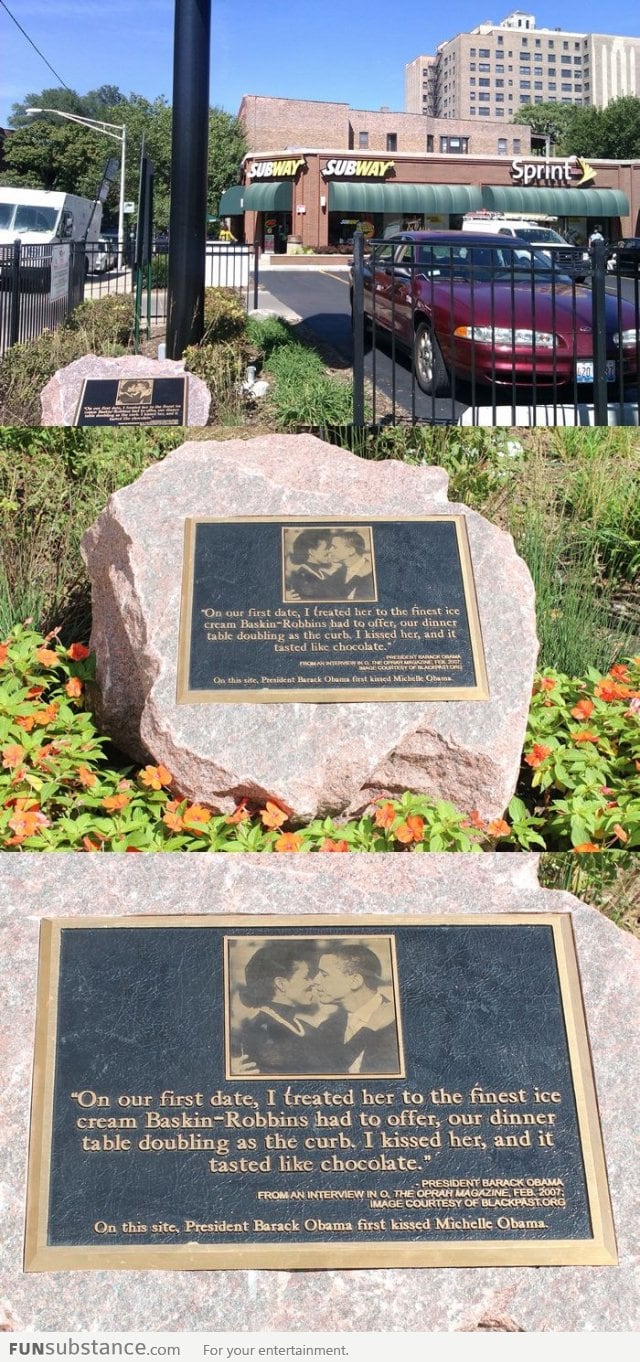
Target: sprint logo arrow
(587,171)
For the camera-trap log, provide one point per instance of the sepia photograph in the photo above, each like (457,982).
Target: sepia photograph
(132,392)
(312,1006)
(328,563)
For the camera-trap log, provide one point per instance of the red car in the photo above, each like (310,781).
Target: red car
(486,311)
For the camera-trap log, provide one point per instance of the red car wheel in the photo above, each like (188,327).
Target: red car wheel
(430,368)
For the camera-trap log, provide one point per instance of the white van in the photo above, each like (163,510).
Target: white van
(47,217)
(574,259)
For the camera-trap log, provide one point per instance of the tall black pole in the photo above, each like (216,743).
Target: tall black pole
(189,151)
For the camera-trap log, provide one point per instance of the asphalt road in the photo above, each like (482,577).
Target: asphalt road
(321,299)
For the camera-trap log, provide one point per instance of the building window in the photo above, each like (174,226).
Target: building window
(537,85)
(472,52)
(525,99)
(500,38)
(566,89)
(484,95)
(484,52)
(550,43)
(538,42)
(485,112)
(502,146)
(500,98)
(429,141)
(499,113)
(484,80)
(578,89)
(484,66)
(538,99)
(565,61)
(525,84)
(363,139)
(392,141)
(566,47)
(538,71)
(472,113)
(577,46)
(472,80)
(500,85)
(516,145)
(500,69)
(577,61)
(472,66)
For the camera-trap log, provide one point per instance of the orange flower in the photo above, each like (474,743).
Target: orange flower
(173,820)
(289,841)
(587,846)
(26,820)
(385,816)
(34,693)
(154,777)
(620,833)
(25,721)
(611,690)
(412,830)
(330,845)
(537,755)
(86,777)
(194,815)
(74,687)
(620,672)
(115,802)
(272,816)
(4,653)
(239,814)
(46,657)
(583,710)
(585,735)
(89,845)
(546,683)
(475,821)
(498,828)
(45,716)
(12,755)
(77,652)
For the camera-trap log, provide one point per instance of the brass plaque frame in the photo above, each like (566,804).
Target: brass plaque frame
(600,1249)
(336,694)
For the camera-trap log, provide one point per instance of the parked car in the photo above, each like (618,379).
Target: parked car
(490,312)
(626,256)
(574,259)
(104,255)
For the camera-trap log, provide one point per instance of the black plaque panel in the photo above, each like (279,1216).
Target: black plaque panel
(306,609)
(256,1092)
(132,402)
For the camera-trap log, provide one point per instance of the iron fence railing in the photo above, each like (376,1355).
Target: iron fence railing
(40,285)
(453,329)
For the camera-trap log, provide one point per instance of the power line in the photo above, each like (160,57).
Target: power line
(36,49)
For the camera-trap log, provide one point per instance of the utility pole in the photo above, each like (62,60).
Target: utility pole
(189,166)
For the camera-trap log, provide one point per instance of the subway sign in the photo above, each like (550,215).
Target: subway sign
(573,171)
(339,167)
(276,170)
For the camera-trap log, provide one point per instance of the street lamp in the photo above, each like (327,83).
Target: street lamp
(118,132)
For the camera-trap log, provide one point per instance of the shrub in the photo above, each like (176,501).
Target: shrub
(105,321)
(225,318)
(99,326)
(221,366)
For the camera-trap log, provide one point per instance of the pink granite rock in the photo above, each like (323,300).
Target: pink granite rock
(60,396)
(312,758)
(550,1300)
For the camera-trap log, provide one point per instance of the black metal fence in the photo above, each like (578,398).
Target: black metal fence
(459,330)
(40,285)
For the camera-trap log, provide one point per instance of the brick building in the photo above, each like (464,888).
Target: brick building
(497,69)
(316,171)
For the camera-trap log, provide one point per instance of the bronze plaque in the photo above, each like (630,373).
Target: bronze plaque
(318,609)
(254,1091)
(132,402)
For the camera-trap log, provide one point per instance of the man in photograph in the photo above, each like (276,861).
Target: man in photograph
(361,1036)
(354,579)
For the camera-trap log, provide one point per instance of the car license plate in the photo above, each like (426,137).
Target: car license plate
(584,370)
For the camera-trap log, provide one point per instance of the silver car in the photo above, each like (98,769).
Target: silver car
(104,256)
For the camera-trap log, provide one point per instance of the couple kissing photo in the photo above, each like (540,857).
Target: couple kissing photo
(329,563)
(312,1006)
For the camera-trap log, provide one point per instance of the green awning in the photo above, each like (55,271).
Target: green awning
(231,201)
(359,196)
(273,195)
(579,203)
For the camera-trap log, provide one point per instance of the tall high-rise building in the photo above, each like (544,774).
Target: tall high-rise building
(496,68)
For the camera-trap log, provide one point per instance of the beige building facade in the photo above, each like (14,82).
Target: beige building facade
(496,69)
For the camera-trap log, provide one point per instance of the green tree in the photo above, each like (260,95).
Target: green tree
(555,120)
(52,153)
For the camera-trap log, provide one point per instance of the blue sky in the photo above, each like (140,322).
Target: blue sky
(293,48)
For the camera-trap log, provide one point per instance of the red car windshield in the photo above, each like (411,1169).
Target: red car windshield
(479,262)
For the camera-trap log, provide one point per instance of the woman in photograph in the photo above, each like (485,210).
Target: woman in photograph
(278,1038)
(313,566)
